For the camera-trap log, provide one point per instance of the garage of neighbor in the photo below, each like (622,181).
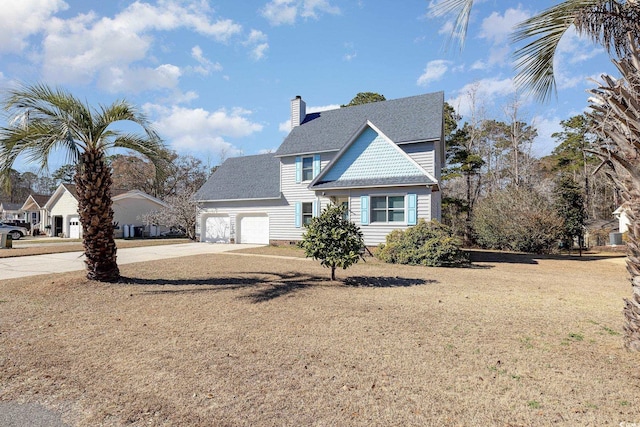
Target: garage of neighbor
(253,228)
(217,229)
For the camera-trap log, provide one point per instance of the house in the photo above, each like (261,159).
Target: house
(623,220)
(35,212)
(382,160)
(10,211)
(128,208)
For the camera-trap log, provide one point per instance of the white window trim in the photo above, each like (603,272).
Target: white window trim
(302,168)
(387,195)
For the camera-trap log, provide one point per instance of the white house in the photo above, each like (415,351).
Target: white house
(35,212)
(382,160)
(128,208)
(623,219)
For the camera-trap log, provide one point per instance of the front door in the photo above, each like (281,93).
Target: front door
(343,201)
(57,226)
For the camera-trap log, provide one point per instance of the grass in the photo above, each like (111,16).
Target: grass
(236,340)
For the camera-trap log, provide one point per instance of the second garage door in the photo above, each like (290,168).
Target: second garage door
(254,228)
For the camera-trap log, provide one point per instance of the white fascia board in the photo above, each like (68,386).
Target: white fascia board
(305,154)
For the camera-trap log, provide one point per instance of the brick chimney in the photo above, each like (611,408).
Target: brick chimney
(298,111)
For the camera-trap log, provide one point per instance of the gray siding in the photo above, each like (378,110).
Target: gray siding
(424,154)
(376,233)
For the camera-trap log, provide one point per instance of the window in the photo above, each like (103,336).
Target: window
(387,209)
(307,168)
(307,213)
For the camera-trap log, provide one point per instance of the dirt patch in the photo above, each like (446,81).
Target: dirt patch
(234,340)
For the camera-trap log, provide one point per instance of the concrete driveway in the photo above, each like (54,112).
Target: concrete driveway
(25,266)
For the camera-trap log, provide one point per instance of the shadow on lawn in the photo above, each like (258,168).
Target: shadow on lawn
(266,286)
(526,258)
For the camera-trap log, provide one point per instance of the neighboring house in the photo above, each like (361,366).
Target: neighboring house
(623,219)
(382,160)
(35,212)
(10,211)
(128,207)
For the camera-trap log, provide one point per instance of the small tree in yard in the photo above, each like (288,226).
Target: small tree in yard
(569,203)
(332,239)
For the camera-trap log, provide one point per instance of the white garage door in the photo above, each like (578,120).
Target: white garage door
(254,229)
(74,227)
(217,229)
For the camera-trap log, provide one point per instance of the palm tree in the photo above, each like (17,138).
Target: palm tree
(606,22)
(615,112)
(42,121)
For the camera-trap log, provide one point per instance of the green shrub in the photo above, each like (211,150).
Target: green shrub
(332,239)
(427,243)
(517,219)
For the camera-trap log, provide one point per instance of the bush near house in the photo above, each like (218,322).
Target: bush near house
(333,239)
(427,243)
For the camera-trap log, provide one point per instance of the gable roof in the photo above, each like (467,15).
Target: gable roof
(371,159)
(136,194)
(6,206)
(35,201)
(239,178)
(403,120)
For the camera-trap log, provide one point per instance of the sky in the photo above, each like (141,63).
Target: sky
(215,77)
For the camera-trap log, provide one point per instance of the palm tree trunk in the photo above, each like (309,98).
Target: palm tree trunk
(93,187)
(632,305)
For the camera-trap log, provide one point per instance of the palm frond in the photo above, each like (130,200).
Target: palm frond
(606,22)
(462,10)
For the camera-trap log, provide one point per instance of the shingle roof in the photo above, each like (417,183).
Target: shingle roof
(374,182)
(40,199)
(416,118)
(248,177)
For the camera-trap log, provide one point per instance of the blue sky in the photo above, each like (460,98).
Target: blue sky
(216,77)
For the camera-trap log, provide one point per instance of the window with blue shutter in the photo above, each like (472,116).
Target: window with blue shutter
(412,209)
(298,170)
(316,165)
(298,215)
(364,210)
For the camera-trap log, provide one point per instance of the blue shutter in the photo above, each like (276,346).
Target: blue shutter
(364,210)
(298,214)
(298,170)
(316,165)
(412,209)
(316,208)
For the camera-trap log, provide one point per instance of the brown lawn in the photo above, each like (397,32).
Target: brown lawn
(229,340)
(25,248)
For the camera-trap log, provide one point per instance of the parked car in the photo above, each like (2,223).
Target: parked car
(15,232)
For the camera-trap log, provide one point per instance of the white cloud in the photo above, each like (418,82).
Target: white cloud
(316,109)
(136,80)
(351,52)
(196,129)
(79,48)
(205,66)
(497,28)
(285,12)
(257,41)
(21,19)
(546,126)
(286,125)
(433,72)
(487,91)
(479,65)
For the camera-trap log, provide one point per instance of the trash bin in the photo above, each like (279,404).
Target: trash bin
(3,240)
(138,231)
(9,242)
(615,239)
